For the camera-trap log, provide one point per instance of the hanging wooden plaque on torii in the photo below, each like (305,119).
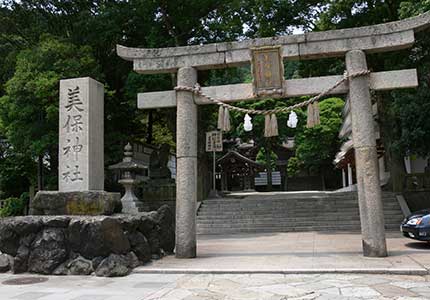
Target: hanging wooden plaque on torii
(268,71)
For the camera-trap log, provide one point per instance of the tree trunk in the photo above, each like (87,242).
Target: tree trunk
(53,172)
(322,179)
(40,172)
(283,171)
(149,136)
(397,172)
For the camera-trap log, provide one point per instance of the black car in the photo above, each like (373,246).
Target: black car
(417,225)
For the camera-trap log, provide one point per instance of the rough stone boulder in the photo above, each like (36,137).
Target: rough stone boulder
(9,241)
(166,221)
(48,251)
(114,266)
(140,246)
(105,233)
(14,228)
(5,262)
(80,266)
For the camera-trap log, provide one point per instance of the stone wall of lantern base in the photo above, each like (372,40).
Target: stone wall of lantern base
(82,245)
(75,203)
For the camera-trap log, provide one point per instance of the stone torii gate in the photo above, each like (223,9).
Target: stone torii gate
(353,44)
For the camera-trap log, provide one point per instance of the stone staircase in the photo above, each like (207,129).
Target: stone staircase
(283,212)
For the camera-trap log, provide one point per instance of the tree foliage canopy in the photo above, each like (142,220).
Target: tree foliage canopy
(44,41)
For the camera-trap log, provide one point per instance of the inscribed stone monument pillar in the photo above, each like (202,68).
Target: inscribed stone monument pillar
(81,159)
(186,178)
(363,134)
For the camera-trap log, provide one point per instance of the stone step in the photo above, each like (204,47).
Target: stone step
(301,223)
(343,199)
(290,217)
(289,213)
(294,204)
(339,200)
(390,219)
(310,202)
(286,229)
(315,225)
(286,202)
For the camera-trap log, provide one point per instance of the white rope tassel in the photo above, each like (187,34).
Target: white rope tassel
(227,126)
(220,117)
(310,121)
(316,113)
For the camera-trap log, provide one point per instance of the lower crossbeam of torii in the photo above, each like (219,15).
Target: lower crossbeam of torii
(353,44)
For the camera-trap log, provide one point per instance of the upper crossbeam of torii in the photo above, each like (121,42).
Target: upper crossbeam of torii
(336,43)
(266,56)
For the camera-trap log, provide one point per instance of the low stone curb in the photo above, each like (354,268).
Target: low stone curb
(413,271)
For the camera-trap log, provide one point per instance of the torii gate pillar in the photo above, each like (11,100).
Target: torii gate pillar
(186,176)
(363,134)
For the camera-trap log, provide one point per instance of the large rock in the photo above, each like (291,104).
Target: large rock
(48,251)
(56,221)
(14,228)
(96,261)
(62,269)
(9,240)
(148,222)
(80,266)
(133,261)
(75,203)
(98,236)
(113,266)
(5,262)
(20,261)
(140,246)
(166,222)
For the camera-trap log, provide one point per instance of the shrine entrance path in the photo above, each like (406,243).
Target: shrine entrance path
(296,252)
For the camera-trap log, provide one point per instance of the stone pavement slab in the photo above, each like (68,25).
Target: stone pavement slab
(296,252)
(222,287)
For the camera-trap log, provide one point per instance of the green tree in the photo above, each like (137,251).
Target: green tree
(267,159)
(317,146)
(29,110)
(294,166)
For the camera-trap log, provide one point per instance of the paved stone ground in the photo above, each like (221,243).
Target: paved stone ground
(297,252)
(221,287)
(248,255)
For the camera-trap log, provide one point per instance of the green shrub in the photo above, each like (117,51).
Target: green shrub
(13,207)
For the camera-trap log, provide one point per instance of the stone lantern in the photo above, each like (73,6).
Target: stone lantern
(128,169)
